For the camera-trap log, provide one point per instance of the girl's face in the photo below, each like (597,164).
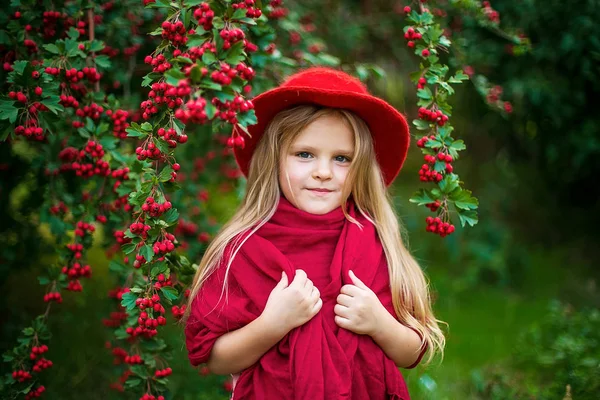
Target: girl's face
(314,169)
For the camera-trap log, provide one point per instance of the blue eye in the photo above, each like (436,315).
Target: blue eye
(303,154)
(343,159)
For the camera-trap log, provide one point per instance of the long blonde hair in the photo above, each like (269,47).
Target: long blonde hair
(410,293)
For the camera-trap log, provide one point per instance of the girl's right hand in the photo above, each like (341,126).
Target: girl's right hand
(291,306)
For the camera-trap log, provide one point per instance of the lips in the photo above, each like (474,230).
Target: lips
(321,190)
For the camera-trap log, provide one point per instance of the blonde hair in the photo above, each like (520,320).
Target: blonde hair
(410,292)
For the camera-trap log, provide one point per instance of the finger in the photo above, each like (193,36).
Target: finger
(342,322)
(283,282)
(349,290)
(308,285)
(315,294)
(341,310)
(318,305)
(299,279)
(356,281)
(344,300)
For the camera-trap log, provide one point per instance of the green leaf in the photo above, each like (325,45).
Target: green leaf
(421,125)
(433,144)
(132,132)
(8,111)
(165,174)
(171,216)
(459,77)
(462,199)
(449,183)
(52,48)
(208,58)
(102,61)
(132,382)
(53,104)
(96,45)
(44,280)
(239,13)
(117,266)
(170,293)
(425,94)
(128,300)
(467,217)
(235,54)
(422,197)
(129,248)
(147,252)
(458,145)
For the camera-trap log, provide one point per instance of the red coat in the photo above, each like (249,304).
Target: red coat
(318,360)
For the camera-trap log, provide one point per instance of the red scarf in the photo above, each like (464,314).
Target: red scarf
(318,360)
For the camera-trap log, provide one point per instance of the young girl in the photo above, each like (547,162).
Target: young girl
(308,292)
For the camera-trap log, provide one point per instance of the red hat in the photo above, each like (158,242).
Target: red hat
(335,89)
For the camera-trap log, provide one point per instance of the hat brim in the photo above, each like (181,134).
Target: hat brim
(389,129)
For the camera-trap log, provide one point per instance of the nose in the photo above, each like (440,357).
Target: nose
(322,170)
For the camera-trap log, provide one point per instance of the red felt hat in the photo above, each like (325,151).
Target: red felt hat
(328,87)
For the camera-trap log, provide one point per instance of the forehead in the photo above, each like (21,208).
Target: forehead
(327,132)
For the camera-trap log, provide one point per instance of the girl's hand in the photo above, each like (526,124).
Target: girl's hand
(358,309)
(291,306)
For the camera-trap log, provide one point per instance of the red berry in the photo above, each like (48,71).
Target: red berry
(425,53)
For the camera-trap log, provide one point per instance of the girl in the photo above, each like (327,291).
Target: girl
(308,292)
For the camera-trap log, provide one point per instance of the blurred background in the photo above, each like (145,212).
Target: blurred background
(519,291)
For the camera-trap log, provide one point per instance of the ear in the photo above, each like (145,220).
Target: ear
(356,281)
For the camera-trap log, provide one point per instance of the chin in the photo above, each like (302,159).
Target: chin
(318,209)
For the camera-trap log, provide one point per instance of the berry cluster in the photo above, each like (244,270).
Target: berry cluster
(37,392)
(77,271)
(162,281)
(193,112)
(94,111)
(161,373)
(178,311)
(161,93)
(120,123)
(436,116)
(140,229)
(37,350)
(411,35)
(73,75)
(76,248)
(159,63)
(133,360)
(231,36)
(116,319)
(435,225)
(148,396)
(53,296)
(433,206)
(156,209)
(151,151)
(204,15)
(21,375)
(19,96)
(164,246)
(41,365)
(68,101)
(175,33)
(83,227)
(251,11)
(421,83)
(60,208)
(144,319)
(490,13)
(121,238)
(197,52)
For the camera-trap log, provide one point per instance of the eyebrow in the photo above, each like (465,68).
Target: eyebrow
(298,147)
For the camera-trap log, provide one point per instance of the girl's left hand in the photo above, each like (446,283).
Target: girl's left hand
(358,309)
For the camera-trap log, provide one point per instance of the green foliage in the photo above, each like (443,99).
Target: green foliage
(564,349)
